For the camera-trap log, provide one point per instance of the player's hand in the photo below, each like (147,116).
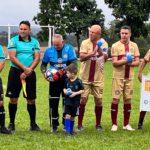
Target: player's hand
(99,48)
(105,50)
(93,53)
(23,76)
(72,95)
(27,70)
(61,72)
(100,43)
(129,58)
(44,74)
(68,92)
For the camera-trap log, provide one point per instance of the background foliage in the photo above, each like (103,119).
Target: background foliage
(74,16)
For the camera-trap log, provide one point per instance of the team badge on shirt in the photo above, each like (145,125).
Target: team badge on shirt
(59,60)
(11,43)
(65,56)
(117,92)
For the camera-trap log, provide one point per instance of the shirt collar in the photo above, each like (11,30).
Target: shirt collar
(20,38)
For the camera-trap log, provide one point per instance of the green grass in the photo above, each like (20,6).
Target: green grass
(89,139)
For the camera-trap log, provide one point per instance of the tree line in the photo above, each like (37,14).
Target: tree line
(72,18)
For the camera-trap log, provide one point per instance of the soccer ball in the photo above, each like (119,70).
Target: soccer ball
(51,75)
(54,74)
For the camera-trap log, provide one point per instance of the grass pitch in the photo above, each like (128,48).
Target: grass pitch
(90,138)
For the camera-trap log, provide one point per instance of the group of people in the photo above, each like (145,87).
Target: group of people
(24,53)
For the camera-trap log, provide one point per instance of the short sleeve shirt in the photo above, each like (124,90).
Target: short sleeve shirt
(24,49)
(87,66)
(75,86)
(118,50)
(61,59)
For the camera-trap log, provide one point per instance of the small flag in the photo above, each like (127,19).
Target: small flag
(24,86)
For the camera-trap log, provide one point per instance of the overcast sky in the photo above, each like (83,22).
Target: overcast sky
(13,11)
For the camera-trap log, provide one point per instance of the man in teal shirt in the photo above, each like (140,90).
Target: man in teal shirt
(24,56)
(3,129)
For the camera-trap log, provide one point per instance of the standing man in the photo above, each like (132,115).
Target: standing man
(59,56)
(3,129)
(24,56)
(125,56)
(93,54)
(143,65)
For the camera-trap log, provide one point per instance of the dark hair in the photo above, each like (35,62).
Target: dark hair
(25,22)
(72,68)
(126,27)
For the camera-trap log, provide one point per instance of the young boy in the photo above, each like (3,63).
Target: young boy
(73,89)
(144,62)
(3,129)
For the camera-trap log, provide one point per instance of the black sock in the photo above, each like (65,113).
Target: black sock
(2,116)
(141,121)
(32,112)
(12,112)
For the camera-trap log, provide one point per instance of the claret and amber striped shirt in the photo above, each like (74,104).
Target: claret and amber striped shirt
(119,50)
(91,70)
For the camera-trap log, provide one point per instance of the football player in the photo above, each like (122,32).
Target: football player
(125,56)
(59,56)
(93,54)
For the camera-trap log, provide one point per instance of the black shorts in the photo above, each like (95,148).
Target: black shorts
(71,110)
(14,85)
(1,90)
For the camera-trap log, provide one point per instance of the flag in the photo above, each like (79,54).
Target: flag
(24,87)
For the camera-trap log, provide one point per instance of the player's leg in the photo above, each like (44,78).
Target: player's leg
(74,113)
(98,112)
(128,92)
(97,91)
(114,113)
(3,129)
(63,101)
(83,101)
(127,112)
(54,95)
(72,121)
(13,91)
(31,104)
(31,107)
(63,110)
(67,119)
(141,119)
(117,87)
